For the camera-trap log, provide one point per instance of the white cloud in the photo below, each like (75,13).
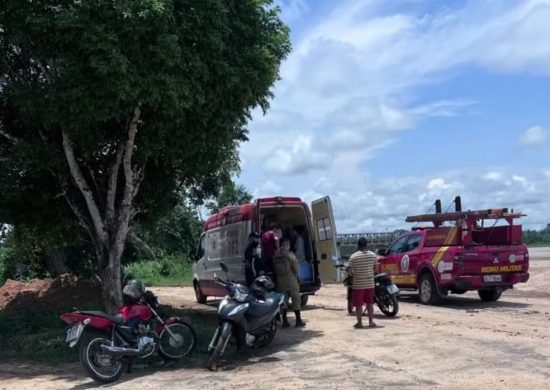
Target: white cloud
(437,184)
(534,136)
(350,89)
(375,204)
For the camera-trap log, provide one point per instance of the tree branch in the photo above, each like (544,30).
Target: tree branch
(125,214)
(10,137)
(84,188)
(81,217)
(113,181)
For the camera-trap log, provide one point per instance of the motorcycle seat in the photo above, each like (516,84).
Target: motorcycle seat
(263,308)
(114,319)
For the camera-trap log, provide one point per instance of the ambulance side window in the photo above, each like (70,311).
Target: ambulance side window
(201,249)
(398,246)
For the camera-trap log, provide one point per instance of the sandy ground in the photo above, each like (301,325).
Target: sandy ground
(462,344)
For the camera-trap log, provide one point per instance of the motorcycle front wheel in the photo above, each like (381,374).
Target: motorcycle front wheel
(387,303)
(178,344)
(220,344)
(102,367)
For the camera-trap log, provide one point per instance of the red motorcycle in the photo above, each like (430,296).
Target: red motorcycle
(136,331)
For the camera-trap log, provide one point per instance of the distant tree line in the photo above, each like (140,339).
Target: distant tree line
(537,237)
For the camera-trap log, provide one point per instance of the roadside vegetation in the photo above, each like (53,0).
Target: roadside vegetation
(39,336)
(172,270)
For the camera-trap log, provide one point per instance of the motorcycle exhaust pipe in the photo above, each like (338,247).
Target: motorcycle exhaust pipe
(120,351)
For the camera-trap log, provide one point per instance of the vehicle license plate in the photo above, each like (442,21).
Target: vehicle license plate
(492,278)
(74,333)
(392,288)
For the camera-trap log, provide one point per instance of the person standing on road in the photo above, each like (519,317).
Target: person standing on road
(363,268)
(253,266)
(285,266)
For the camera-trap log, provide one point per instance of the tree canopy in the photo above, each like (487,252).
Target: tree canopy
(110,110)
(230,194)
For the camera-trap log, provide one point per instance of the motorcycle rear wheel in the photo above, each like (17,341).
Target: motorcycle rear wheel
(101,367)
(270,337)
(220,344)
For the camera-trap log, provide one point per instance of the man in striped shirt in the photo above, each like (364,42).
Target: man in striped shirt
(362,268)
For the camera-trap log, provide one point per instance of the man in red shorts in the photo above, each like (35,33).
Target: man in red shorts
(363,268)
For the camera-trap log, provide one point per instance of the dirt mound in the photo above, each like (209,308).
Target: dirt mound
(65,291)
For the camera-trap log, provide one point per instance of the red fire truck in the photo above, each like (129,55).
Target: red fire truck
(463,250)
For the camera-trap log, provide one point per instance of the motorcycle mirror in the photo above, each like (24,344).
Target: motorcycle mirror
(224,267)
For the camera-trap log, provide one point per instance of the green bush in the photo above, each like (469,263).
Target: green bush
(7,264)
(168,271)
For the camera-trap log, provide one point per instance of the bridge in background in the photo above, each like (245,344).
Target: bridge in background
(375,241)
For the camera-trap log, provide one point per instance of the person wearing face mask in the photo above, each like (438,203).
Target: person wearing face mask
(252,262)
(285,267)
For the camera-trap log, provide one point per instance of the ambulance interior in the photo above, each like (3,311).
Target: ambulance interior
(293,221)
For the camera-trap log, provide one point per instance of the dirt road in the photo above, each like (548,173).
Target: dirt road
(462,344)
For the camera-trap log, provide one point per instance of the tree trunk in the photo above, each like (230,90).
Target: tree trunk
(111,281)
(108,230)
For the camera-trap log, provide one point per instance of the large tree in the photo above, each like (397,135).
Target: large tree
(109,108)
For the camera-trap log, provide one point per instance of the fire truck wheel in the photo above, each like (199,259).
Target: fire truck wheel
(427,290)
(491,295)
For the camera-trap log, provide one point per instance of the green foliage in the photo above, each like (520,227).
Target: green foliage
(7,263)
(175,233)
(168,271)
(195,68)
(534,237)
(230,194)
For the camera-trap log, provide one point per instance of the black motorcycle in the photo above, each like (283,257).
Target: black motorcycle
(385,294)
(247,317)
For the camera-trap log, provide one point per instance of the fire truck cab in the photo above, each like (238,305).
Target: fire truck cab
(464,250)
(225,238)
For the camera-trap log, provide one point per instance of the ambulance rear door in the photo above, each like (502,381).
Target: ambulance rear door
(326,244)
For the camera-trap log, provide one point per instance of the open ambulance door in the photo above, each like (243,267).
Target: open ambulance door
(326,244)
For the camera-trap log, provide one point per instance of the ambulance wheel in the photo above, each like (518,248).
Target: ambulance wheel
(198,293)
(303,300)
(491,295)
(427,290)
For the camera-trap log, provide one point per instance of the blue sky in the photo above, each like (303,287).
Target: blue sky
(387,105)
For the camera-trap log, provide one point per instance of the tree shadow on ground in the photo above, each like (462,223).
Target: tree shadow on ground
(72,373)
(285,341)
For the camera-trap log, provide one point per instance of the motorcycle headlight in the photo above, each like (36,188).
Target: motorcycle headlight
(240,295)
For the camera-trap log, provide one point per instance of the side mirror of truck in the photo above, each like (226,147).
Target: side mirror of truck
(381,252)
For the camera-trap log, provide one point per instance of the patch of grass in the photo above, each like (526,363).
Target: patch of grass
(168,271)
(34,336)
